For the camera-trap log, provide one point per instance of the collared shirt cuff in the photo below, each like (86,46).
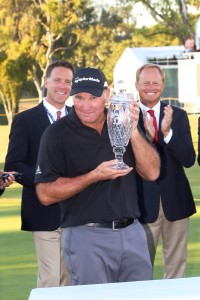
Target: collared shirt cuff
(168,137)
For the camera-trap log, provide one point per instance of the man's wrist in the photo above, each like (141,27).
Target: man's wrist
(135,133)
(168,137)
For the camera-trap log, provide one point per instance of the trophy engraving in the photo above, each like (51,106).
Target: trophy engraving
(119,123)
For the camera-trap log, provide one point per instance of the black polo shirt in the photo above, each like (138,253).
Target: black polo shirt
(69,149)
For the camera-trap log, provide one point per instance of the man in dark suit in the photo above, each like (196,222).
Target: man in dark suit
(26,131)
(166,203)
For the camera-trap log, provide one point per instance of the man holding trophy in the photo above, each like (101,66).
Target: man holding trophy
(103,241)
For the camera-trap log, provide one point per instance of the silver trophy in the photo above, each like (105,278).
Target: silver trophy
(119,122)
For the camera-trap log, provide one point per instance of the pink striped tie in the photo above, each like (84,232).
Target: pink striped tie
(58,115)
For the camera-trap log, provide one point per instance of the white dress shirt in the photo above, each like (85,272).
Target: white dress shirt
(156,109)
(53,111)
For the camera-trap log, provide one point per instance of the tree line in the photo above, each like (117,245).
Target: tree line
(85,32)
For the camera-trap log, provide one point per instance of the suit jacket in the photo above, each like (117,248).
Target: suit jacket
(198,157)
(172,186)
(26,131)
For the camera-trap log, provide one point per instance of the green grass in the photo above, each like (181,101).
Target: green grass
(18,264)
(193,261)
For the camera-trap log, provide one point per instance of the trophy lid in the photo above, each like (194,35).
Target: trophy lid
(119,98)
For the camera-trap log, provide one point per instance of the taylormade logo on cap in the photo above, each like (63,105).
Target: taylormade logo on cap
(89,80)
(77,79)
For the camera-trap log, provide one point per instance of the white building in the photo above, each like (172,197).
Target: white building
(182,71)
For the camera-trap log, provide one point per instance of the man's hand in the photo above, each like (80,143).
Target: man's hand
(135,111)
(105,172)
(167,120)
(148,125)
(8,181)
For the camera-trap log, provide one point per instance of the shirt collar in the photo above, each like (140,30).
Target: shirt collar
(156,108)
(52,109)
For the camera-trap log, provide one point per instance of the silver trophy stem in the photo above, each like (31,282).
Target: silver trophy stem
(119,152)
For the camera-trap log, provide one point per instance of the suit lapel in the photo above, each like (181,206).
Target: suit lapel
(42,116)
(141,122)
(162,105)
(160,135)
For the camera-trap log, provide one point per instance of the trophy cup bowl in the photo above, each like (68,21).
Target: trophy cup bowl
(119,123)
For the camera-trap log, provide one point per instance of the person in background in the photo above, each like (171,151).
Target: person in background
(198,156)
(166,203)
(102,238)
(26,131)
(7,182)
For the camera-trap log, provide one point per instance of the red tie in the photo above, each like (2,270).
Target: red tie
(151,112)
(58,115)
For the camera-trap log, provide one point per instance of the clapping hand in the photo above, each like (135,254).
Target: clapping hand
(148,125)
(167,120)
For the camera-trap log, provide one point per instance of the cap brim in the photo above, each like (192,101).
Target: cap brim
(91,90)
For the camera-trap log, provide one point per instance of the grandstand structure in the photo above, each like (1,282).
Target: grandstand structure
(181,67)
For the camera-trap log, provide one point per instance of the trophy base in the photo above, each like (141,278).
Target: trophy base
(119,166)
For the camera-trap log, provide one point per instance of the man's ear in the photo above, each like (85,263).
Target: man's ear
(107,95)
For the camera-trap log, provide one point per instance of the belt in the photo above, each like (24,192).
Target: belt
(116,224)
